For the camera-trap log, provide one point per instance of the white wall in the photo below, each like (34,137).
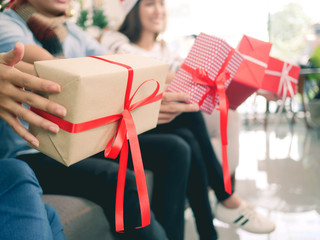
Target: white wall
(229,19)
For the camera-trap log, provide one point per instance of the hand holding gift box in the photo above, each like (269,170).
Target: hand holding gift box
(108,99)
(281,78)
(205,74)
(250,74)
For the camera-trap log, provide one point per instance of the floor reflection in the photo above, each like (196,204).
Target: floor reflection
(279,172)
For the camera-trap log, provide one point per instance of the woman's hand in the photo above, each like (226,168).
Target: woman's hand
(174,104)
(12,94)
(170,77)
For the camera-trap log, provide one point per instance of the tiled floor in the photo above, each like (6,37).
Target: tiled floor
(279,172)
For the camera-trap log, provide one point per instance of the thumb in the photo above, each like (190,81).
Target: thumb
(14,56)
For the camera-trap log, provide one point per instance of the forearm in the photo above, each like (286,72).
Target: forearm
(34,53)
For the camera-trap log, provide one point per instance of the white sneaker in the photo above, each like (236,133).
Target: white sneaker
(244,217)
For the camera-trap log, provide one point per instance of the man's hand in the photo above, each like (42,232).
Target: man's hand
(174,104)
(12,94)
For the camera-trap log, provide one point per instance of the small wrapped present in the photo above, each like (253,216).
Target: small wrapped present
(205,74)
(211,61)
(108,100)
(281,78)
(250,74)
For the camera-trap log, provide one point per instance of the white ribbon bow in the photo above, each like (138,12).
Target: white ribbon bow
(285,82)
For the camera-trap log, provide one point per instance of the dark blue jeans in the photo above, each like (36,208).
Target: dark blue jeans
(205,171)
(23,215)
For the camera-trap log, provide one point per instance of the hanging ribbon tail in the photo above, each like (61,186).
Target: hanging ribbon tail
(283,99)
(226,172)
(138,170)
(208,92)
(129,127)
(120,144)
(285,84)
(123,162)
(224,108)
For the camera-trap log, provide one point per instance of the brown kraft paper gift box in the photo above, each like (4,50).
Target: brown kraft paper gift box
(92,89)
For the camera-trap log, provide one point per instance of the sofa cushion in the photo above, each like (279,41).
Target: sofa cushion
(81,219)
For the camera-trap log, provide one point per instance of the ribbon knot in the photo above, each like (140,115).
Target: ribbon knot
(201,73)
(200,76)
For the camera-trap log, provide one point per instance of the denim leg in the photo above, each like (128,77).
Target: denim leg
(55,223)
(198,188)
(168,156)
(22,211)
(195,123)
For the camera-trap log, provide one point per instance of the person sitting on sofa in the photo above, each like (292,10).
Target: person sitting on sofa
(138,33)
(23,214)
(93,178)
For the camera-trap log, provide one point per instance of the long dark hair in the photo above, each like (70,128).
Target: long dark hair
(131,26)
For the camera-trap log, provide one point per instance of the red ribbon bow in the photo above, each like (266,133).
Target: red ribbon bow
(216,86)
(119,144)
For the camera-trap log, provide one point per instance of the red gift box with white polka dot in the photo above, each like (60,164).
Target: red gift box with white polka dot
(210,54)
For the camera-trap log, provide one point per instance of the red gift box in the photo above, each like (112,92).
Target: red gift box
(205,74)
(209,58)
(281,78)
(250,74)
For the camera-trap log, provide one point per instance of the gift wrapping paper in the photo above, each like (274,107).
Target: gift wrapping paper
(281,78)
(250,74)
(208,54)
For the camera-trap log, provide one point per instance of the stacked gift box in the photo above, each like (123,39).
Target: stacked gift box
(281,78)
(248,79)
(216,76)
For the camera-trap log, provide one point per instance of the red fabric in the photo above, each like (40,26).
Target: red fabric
(119,144)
